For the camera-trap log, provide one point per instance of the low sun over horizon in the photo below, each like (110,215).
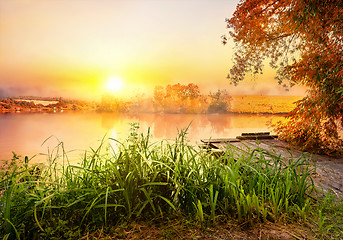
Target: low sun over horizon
(83,49)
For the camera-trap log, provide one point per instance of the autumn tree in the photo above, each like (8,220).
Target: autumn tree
(303,40)
(178,98)
(220,102)
(110,103)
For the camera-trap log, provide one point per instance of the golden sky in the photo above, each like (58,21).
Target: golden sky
(70,48)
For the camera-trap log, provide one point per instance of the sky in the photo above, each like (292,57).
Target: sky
(71,48)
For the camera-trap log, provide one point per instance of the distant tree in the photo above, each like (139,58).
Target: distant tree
(190,91)
(178,98)
(140,103)
(303,39)
(110,103)
(220,102)
(159,98)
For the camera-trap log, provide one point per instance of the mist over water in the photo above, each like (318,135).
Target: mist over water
(24,133)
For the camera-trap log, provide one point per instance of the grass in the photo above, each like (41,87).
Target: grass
(263,104)
(140,181)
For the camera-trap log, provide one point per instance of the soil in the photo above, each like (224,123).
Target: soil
(178,229)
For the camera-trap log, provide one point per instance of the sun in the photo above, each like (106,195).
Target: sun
(114,84)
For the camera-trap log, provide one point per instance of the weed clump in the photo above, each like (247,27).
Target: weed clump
(137,180)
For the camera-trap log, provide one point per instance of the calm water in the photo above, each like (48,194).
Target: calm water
(24,133)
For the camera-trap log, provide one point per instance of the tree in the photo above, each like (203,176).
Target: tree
(178,98)
(220,102)
(303,40)
(111,103)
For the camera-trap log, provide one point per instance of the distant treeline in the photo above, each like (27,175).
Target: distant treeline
(176,98)
(26,104)
(172,98)
(41,98)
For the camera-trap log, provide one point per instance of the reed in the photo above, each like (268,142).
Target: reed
(138,179)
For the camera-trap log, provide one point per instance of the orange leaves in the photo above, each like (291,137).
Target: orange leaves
(310,129)
(178,98)
(304,41)
(279,29)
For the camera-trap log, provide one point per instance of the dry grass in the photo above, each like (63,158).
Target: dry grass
(184,229)
(272,104)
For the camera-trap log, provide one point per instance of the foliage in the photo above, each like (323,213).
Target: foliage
(180,98)
(35,104)
(176,98)
(304,41)
(220,102)
(111,103)
(136,179)
(329,217)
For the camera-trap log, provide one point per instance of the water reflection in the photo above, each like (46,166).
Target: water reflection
(24,133)
(166,126)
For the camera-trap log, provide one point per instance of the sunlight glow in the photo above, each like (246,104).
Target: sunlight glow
(114,84)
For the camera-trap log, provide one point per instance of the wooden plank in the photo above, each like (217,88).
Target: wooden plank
(227,147)
(264,146)
(257,133)
(273,147)
(243,148)
(246,146)
(277,143)
(256,137)
(285,149)
(220,140)
(272,150)
(221,146)
(328,175)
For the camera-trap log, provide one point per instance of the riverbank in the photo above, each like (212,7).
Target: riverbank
(142,190)
(237,104)
(328,174)
(42,105)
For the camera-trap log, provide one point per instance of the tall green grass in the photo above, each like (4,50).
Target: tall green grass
(143,180)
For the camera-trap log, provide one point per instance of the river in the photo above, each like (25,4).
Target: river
(25,133)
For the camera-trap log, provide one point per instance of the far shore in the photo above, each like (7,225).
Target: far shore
(239,104)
